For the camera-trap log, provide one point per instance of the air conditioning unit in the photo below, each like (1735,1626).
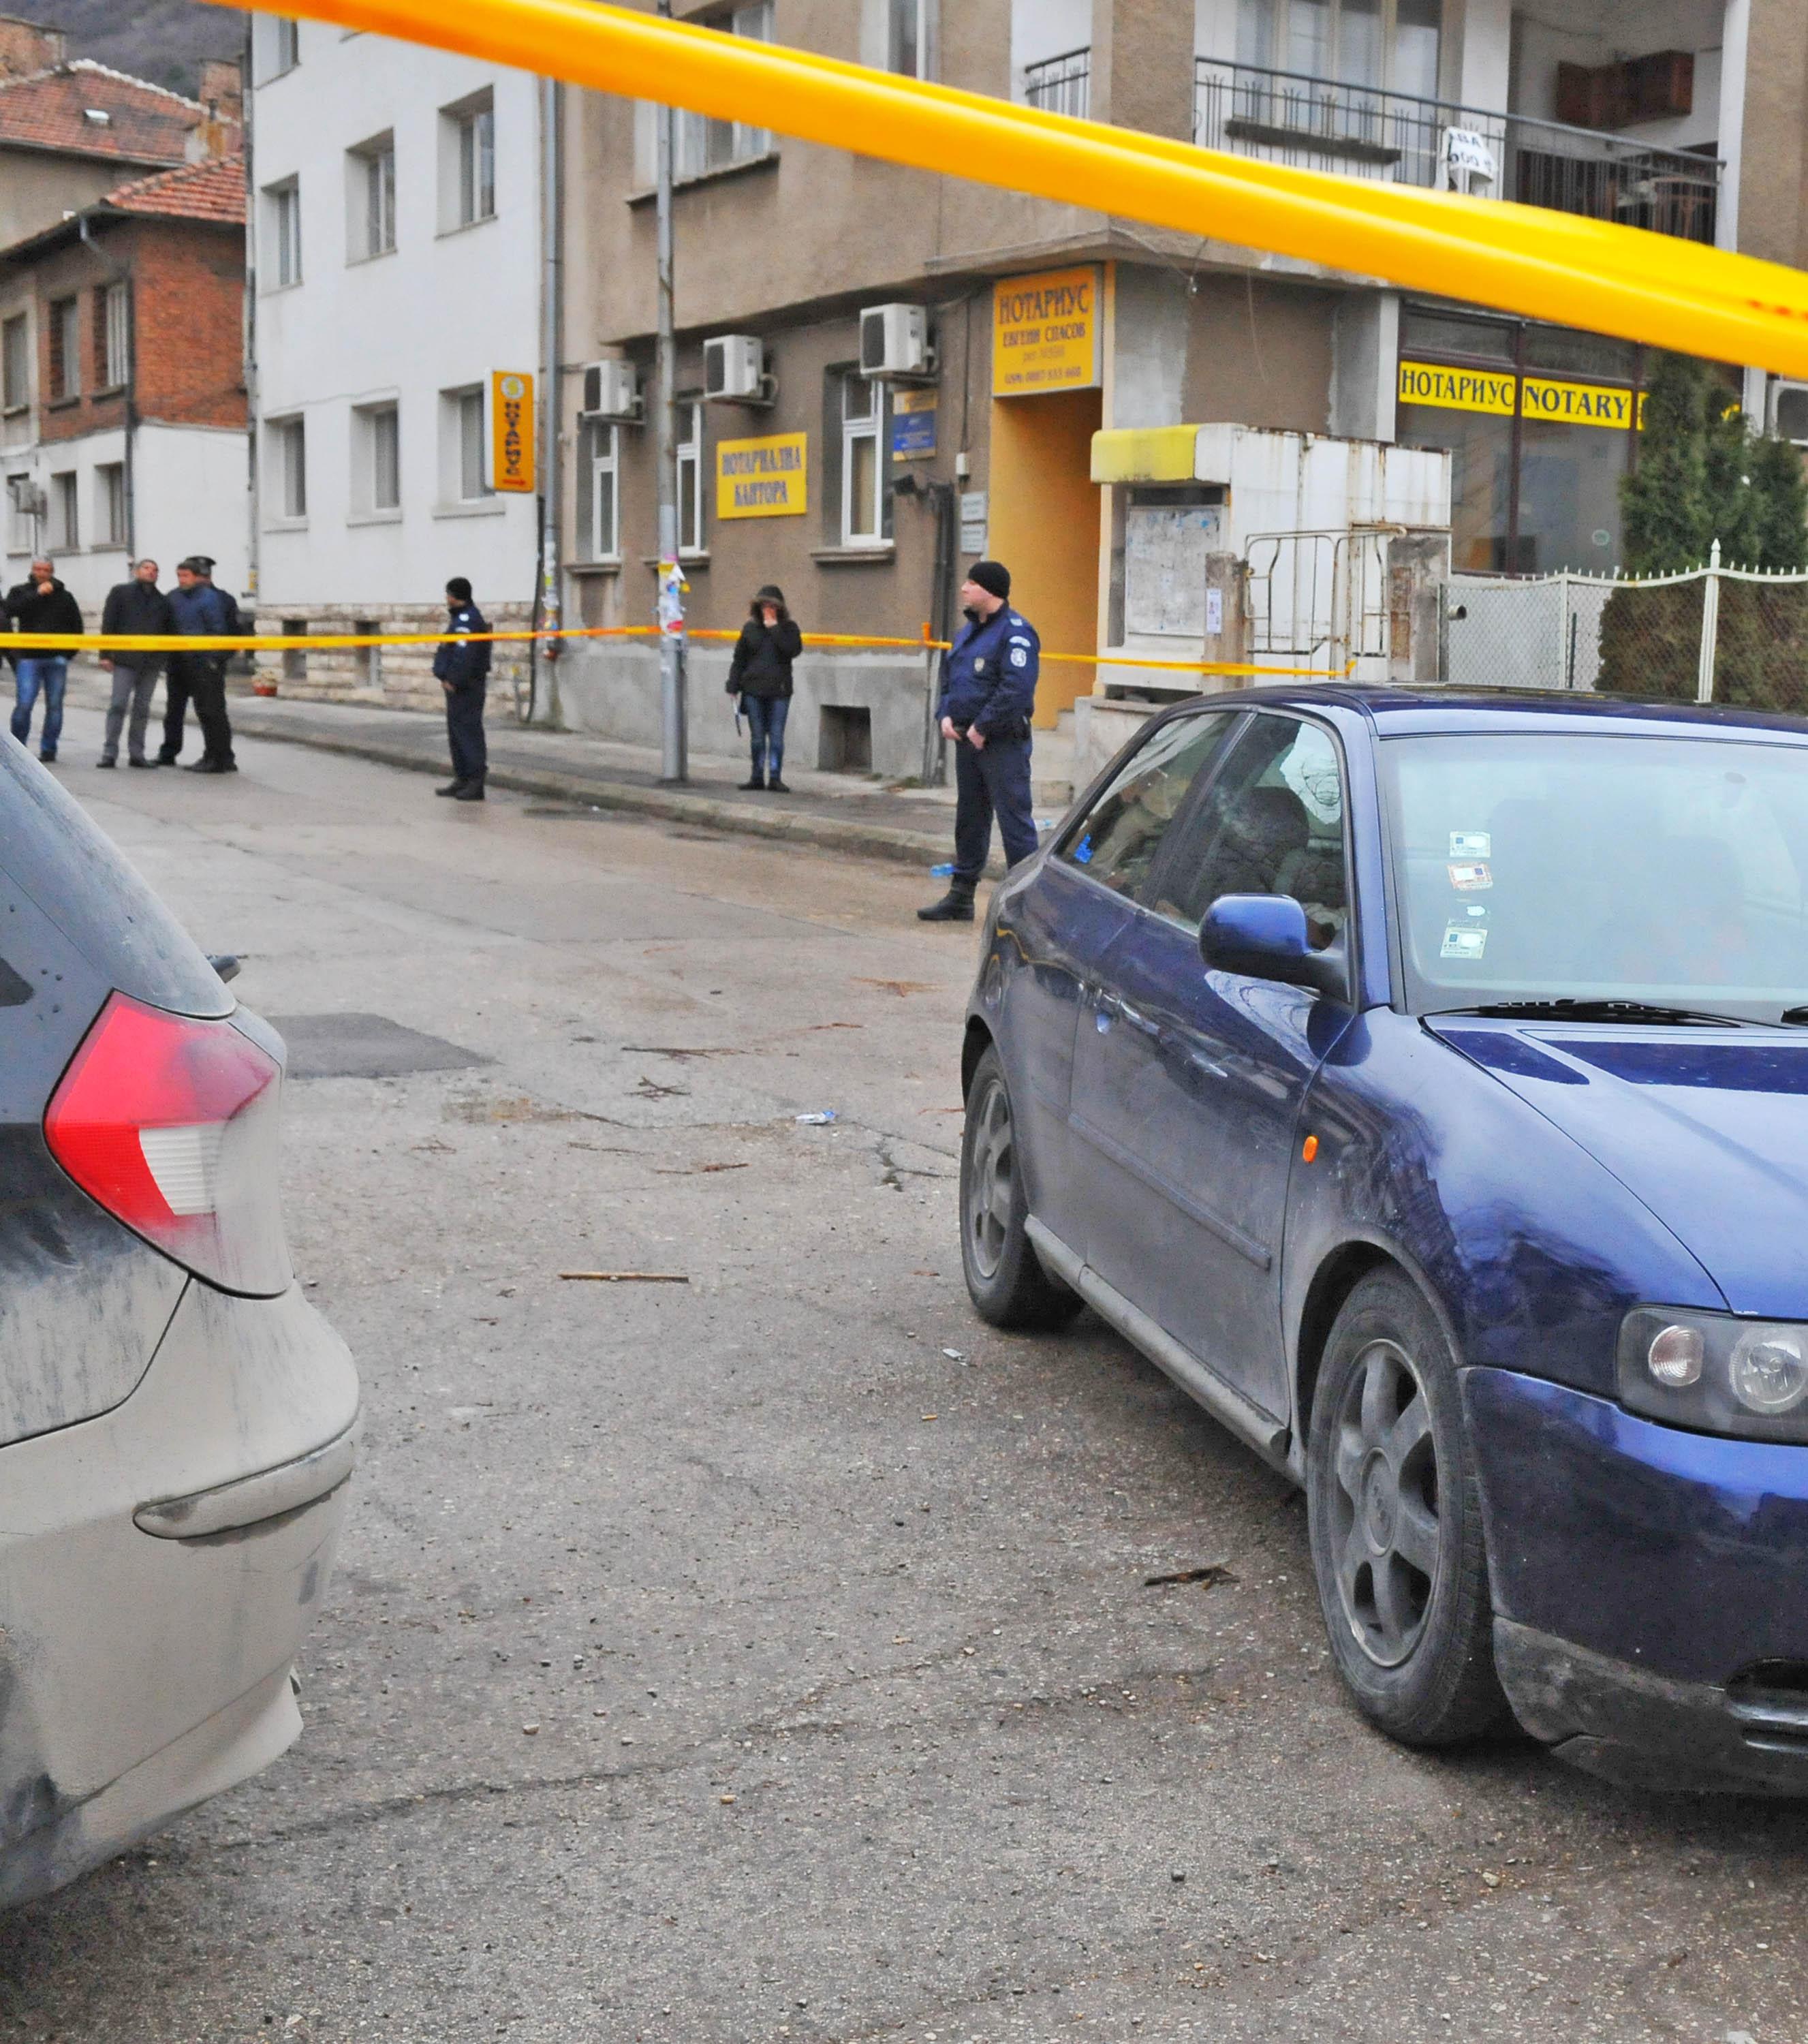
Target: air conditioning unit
(1789,412)
(894,341)
(733,369)
(29,498)
(612,390)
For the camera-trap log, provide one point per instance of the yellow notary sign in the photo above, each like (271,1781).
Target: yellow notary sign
(512,464)
(763,479)
(1045,332)
(1493,390)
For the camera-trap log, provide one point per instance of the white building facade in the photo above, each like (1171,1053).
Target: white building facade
(396,257)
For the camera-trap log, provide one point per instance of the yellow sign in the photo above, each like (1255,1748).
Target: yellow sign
(1494,390)
(763,479)
(1045,332)
(511,431)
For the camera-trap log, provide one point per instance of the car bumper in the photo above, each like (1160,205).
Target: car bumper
(160,1568)
(1651,1585)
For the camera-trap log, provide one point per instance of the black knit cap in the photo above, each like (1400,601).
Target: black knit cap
(994,577)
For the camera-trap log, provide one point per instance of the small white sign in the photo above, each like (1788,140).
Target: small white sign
(974,508)
(1468,152)
(1213,614)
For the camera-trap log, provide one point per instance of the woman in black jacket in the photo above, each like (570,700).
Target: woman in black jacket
(760,674)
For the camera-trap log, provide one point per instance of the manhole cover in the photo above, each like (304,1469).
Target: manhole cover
(365,1046)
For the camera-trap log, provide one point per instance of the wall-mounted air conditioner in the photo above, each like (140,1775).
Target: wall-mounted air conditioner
(894,342)
(733,370)
(612,390)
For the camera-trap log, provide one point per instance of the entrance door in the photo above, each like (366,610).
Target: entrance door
(1187,1084)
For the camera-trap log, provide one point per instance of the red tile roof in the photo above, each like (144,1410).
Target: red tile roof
(145,124)
(211,191)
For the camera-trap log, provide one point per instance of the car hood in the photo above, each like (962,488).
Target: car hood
(1708,1128)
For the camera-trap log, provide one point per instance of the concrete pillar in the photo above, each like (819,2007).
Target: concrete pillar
(1365,355)
(1773,157)
(1142,65)
(1418,563)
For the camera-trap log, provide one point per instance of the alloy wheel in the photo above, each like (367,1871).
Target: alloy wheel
(989,1182)
(1388,1536)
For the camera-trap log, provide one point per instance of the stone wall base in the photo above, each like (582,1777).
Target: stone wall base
(384,677)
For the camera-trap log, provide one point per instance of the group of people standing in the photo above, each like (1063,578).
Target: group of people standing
(195,608)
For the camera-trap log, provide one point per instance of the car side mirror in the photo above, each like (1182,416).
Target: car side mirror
(1263,936)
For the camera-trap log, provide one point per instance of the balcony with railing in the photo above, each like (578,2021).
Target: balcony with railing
(1061,84)
(1396,137)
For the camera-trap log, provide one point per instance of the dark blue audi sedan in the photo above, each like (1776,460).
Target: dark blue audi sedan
(1421,1081)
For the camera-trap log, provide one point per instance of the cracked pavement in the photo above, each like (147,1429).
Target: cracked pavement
(771,1656)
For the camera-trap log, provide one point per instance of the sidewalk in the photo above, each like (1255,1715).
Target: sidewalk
(835,811)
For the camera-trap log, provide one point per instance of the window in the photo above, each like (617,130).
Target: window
(1271,824)
(863,506)
(464,446)
(109,504)
(16,363)
(282,223)
(473,164)
(371,199)
(21,514)
(600,511)
(65,513)
(65,350)
(112,336)
(690,478)
(376,431)
(367,661)
(1378,43)
(295,658)
(285,44)
(1116,842)
(288,474)
(910,33)
(700,145)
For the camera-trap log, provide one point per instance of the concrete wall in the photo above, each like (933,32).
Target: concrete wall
(1261,354)
(38,188)
(1773,176)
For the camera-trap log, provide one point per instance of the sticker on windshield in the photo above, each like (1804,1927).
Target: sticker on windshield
(1464,940)
(1472,844)
(1471,879)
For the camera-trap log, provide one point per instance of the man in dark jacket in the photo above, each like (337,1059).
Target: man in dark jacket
(137,607)
(988,693)
(760,674)
(462,670)
(40,603)
(200,611)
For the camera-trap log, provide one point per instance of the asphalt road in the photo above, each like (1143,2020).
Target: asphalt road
(772,1656)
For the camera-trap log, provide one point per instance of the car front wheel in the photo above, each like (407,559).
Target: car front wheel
(1005,1278)
(1395,1517)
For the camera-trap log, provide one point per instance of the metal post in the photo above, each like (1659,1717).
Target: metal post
(543,654)
(674,739)
(1709,627)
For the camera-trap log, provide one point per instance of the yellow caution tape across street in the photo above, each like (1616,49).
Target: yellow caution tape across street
(1543,264)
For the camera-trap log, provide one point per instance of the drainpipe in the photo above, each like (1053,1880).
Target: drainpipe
(543,671)
(247,97)
(121,273)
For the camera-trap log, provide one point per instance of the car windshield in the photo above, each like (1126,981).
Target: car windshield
(1595,868)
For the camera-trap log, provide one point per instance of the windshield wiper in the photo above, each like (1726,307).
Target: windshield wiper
(1603,1011)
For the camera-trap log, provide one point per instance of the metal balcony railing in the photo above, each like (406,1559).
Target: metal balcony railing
(1320,123)
(1060,85)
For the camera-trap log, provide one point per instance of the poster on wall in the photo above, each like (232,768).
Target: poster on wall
(768,478)
(913,425)
(1047,332)
(512,464)
(1165,550)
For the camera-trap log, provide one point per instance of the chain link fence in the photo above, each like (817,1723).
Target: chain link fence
(1715,634)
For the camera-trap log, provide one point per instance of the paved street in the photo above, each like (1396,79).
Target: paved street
(774,1655)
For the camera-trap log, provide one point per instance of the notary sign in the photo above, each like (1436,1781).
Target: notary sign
(1501,392)
(763,479)
(512,465)
(1045,332)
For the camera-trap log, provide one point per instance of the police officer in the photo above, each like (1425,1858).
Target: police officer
(988,690)
(463,670)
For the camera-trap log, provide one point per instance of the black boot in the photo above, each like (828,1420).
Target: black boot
(955,906)
(450,788)
(755,781)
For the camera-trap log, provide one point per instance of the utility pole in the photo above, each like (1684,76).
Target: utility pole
(673,738)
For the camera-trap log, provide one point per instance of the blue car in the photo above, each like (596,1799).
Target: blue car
(1421,1081)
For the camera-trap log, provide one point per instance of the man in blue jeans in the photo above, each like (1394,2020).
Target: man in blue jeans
(41,603)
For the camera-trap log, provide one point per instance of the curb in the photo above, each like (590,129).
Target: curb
(885,841)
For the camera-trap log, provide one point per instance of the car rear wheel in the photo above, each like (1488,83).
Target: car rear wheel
(1005,1278)
(1395,1517)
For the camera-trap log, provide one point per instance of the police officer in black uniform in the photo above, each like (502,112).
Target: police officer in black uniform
(988,691)
(461,668)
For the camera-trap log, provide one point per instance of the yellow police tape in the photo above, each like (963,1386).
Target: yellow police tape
(1596,275)
(105,643)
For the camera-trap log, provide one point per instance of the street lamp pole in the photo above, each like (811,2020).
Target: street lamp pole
(674,737)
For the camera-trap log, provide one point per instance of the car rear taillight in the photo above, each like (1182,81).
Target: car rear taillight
(172,1124)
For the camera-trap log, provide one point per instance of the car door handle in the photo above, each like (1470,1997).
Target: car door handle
(1139,1021)
(1106,1009)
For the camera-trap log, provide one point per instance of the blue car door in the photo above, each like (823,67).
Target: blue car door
(1055,934)
(1188,1085)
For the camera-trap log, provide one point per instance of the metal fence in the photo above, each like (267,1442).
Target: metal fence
(1060,85)
(1320,599)
(1396,137)
(1715,634)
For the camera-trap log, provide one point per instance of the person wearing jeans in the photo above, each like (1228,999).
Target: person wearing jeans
(760,674)
(41,603)
(137,608)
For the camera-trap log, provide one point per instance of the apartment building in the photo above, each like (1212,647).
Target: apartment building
(122,404)
(396,334)
(1109,406)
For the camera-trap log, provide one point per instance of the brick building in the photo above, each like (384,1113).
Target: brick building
(122,398)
